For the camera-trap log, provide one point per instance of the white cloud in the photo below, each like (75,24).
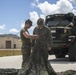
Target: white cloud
(15,31)
(74,11)
(48,8)
(2,27)
(64,6)
(33,4)
(73,1)
(37,1)
(42,16)
(34,16)
(61,6)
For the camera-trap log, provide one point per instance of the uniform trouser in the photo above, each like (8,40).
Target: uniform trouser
(26,50)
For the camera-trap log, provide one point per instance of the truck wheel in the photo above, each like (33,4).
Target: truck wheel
(59,56)
(72,52)
(60,53)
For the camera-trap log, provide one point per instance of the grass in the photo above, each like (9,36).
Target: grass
(9,52)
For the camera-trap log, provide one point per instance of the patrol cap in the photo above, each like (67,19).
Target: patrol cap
(40,21)
(28,21)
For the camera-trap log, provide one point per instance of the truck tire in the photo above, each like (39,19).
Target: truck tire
(60,53)
(59,56)
(72,51)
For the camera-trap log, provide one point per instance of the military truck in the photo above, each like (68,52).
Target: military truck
(63,29)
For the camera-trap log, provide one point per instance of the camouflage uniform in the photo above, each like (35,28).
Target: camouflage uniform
(42,44)
(26,46)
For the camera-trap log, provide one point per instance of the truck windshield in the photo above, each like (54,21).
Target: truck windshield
(58,20)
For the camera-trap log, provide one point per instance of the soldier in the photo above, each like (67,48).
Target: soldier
(25,38)
(43,44)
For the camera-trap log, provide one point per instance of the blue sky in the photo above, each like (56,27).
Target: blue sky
(13,13)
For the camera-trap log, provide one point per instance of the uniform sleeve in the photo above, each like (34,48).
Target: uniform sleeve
(33,39)
(23,30)
(49,38)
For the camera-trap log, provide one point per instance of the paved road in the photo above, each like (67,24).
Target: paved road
(57,64)
(62,64)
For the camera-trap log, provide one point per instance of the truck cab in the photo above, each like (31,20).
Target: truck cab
(63,29)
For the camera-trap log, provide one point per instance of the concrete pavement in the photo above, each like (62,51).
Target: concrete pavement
(61,64)
(58,65)
(11,62)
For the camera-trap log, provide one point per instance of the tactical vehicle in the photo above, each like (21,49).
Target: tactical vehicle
(63,29)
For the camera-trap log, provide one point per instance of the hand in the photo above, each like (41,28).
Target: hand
(49,48)
(37,37)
